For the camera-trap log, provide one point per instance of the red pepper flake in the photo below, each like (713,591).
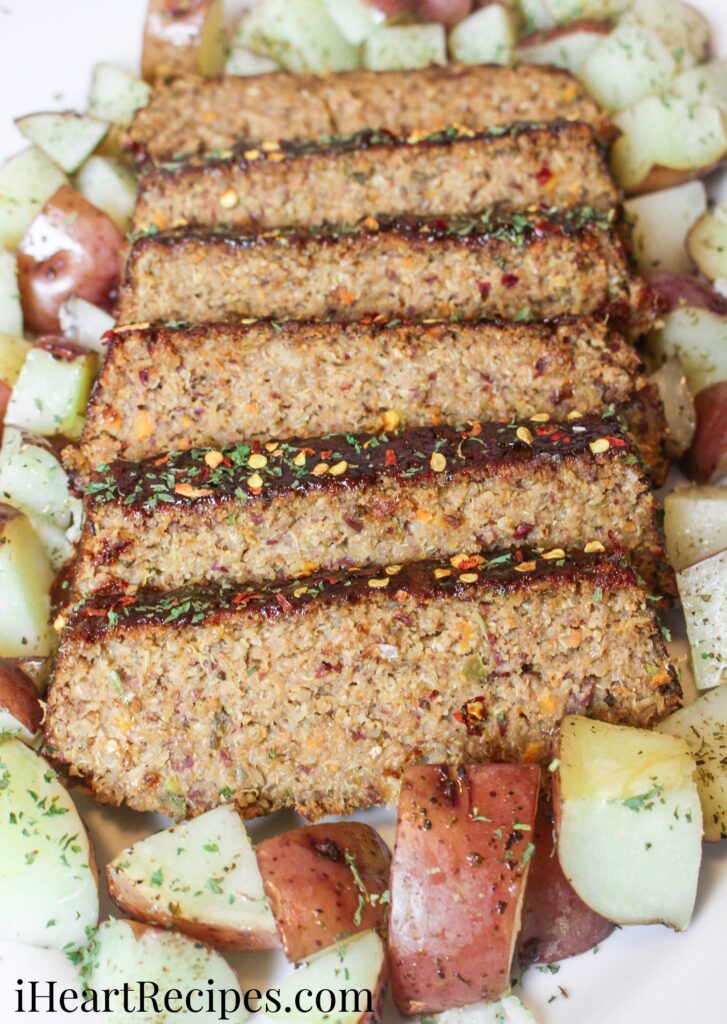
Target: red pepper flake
(255,447)
(544,175)
(327,454)
(616,442)
(522,531)
(485,288)
(284,602)
(509,280)
(249,595)
(390,457)
(162,461)
(546,430)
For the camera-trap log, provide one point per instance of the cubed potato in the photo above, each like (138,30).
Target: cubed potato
(486,37)
(695,524)
(703,591)
(661,222)
(401,47)
(707,461)
(455,911)
(200,878)
(508,1010)
(110,187)
(568,10)
(699,338)
(242,61)
(299,35)
(627,65)
(629,822)
(677,290)
(325,882)
(67,138)
(21,712)
(11,312)
(706,83)
(13,353)
(85,324)
(183,38)
(679,411)
(27,181)
(682,28)
(116,94)
(354,19)
(25,582)
(666,141)
(48,891)
(564,46)
(707,242)
(52,389)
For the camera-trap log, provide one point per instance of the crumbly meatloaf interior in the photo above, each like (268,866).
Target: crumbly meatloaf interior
(194,115)
(166,388)
(560,164)
(318,693)
(258,512)
(510,265)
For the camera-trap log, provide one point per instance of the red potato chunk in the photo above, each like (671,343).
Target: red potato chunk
(323,882)
(556,922)
(446,12)
(677,289)
(463,846)
(19,697)
(71,247)
(707,460)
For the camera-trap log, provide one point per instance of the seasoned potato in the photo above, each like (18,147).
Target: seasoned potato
(708,455)
(695,524)
(182,36)
(67,138)
(21,712)
(25,581)
(703,590)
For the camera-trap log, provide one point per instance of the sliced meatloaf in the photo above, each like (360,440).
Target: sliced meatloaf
(316,693)
(342,178)
(280,509)
(196,115)
(537,263)
(163,388)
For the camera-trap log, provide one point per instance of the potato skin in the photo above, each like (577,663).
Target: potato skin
(312,887)
(19,696)
(131,902)
(556,922)
(707,459)
(457,882)
(173,35)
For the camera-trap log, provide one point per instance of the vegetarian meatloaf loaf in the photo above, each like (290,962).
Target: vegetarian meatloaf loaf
(195,115)
(163,388)
(336,181)
(536,263)
(316,693)
(285,509)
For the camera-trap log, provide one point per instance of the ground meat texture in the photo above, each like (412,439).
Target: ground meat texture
(196,115)
(277,509)
(513,265)
(169,387)
(315,694)
(560,164)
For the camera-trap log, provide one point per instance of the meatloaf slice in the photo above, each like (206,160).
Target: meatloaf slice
(195,115)
(267,511)
(316,693)
(163,388)
(537,263)
(337,180)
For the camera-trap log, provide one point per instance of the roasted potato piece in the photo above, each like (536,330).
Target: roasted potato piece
(695,524)
(708,454)
(25,581)
(21,712)
(182,36)
(67,138)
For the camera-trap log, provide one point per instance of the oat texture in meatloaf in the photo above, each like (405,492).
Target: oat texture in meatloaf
(196,115)
(536,263)
(163,388)
(339,180)
(316,693)
(265,511)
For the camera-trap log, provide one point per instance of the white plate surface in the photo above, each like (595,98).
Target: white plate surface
(639,975)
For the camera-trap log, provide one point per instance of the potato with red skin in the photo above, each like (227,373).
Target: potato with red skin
(707,461)
(19,697)
(461,859)
(323,882)
(71,247)
(446,12)
(392,8)
(556,922)
(676,289)
(182,37)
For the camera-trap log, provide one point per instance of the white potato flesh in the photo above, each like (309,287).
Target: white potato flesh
(13,352)
(25,581)
(680,139)
(707,243)
(85,323)
(627,65)
(679,411)
(661,222)
(111,187)
(27,181)
(703,725)
(486,37)
(11,312)
(299,34)
(171,961)
(355,19)
(48,892)
(242,61)
(706,83)
(67,138)
(568,50)
(401,47)
(703,592)
(33,480)
(203,871)
(357,963)
(536,14)
(629,822)
(699,337)
(51,392)
(508,1010)
(10,726)
(695,524)
(116,94)
(683,29)
(568,10)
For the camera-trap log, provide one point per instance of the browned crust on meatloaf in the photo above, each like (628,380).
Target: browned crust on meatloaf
(316,693)
(534,263)
(262,511)
(163,388)
(338,180)
(194,115)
